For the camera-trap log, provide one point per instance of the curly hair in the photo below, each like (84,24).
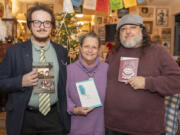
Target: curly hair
(38,7)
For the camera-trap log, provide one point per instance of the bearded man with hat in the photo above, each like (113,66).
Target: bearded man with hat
(136,106)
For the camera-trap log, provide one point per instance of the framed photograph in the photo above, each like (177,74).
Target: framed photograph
(146,11)
(99,20)
(101,33)
(78,9)
(122,12)
(166,37)
(148,25)
(113,12)
(162,15)
(105,20)
(11,25)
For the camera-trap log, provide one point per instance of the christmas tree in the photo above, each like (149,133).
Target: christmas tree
(66,34)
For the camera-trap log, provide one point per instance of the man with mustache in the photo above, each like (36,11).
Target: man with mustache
(136,106)
(28,112)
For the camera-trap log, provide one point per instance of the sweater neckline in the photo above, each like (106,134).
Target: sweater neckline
(89,70)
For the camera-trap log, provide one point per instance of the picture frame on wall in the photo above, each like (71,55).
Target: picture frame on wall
(122,12)
(149,26)
(162,15)
(146,11)
(99,20)
(78,9)
(166,37)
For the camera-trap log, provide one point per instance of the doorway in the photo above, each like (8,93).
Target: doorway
(177,36)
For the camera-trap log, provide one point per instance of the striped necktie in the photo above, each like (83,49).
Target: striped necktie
(44,98)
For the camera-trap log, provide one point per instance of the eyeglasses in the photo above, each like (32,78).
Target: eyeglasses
(37,23)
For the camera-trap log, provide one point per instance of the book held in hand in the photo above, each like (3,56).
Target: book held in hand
(45,76)
(88,94)
(128,68)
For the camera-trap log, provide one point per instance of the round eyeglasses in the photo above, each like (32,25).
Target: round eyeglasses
(37,23)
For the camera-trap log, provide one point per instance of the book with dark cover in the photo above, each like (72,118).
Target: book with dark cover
(128,68)
(45,76)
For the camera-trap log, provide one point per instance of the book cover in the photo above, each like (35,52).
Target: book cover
(128,68)
(88,94)
(46,77)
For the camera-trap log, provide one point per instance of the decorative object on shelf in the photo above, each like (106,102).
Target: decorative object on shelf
(11,25)
(162,15)
(8,12)
(148,25)
(66,34)
(3,31)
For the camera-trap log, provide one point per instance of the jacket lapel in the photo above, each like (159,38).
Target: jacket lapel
(27,56)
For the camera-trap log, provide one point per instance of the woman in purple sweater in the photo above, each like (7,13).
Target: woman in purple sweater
(86,121)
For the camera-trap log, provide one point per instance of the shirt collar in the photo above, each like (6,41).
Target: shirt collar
(38,48)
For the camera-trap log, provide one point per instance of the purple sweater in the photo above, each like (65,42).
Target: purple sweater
(93,123)
(141,112)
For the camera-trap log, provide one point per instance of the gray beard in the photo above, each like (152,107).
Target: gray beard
(133,43)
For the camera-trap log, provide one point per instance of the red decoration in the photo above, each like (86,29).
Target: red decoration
(102,5)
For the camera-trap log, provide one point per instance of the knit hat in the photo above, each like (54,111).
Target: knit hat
(130,19)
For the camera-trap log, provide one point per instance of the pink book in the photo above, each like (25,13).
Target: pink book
(128,68)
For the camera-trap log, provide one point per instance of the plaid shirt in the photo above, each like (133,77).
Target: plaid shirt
(171,116)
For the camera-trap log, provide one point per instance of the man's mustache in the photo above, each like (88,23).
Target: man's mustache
(41,30)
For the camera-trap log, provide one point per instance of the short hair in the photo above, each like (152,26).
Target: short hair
(38,7)
(91,34)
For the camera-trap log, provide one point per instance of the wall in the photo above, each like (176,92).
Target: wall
(157,32)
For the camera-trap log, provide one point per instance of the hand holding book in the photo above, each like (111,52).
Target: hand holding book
(82,110)
(137,82)
(30,79)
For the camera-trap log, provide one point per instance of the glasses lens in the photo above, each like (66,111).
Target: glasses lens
(37,23)
(47,24)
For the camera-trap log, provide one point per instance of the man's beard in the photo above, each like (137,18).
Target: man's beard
(131,44)
(39,39)
(44,39)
